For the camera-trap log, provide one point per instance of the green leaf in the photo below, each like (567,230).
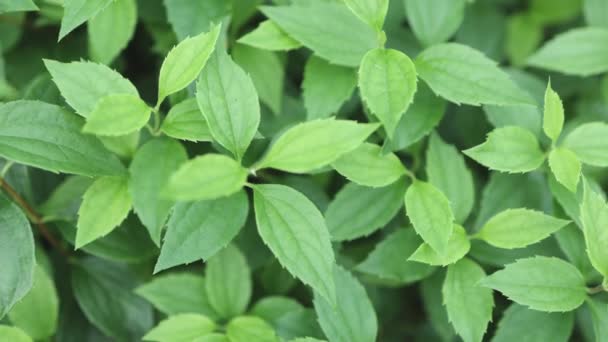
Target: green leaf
(17,253)
(64,201)
(520,323)
(565,167)
(48,137)
(588,141)
(269,36)
(228,100)
(580,52)
(306,146)
(150,170)
(461,74)
(117,114)
(553,117)
(76,12)
(434,21)
(111,30)
(541,283)
(13,334)
(358,211)
(434,306)
(326,87)
(190,18)
(352,318)
(214,337)
(596,13)
(509,149)
(524,35)
(331,30)
(124,146)
(105,204)
(446,170)
(185,61)
(469,305)
(594,216)
(228,283)
(371,12)
(571,241)
(206,177)
(599,317)
(517,228)
(387,81)
(37,312)
(198,230)
(17,6)
(181,328)
(249,328)
(295,231)
(368,166)
(458,247)
(429,211)
(74,82)
(185,121)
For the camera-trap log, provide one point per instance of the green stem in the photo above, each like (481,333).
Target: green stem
(6,168)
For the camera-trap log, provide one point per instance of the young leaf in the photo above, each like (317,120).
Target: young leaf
(594,216)
(458,247)
(17,6)
(520,323)
(76,12)
(387,81)
(206,177)
(104,206)
(517,228)
(541,283)
(185,121)
(588,141)
(434,21)
(117,114)
(461,74)
(249,328)
(371,12)
(181,328)
(368,166)
(508,149)
(198,230)
(269,36)
(565,167)
(185,61)
(111,30)
(294,230)
(553,118)
(469,305)
(13,334)
(304,147)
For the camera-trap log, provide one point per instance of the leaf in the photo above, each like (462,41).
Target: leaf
(190,18)
(228,100)
(461,74)
(198,230)
(517,228)
(524,35)
(111,194)
(117,114)
(64,201)
(213,337)
(326,87)
(553,117)
(185,121)
(76,12)
(579,52)
(228,283)
(185,61)
(588,142)
(110,30)
(565,167)
(13,334)
(368,166)
(17,6)
(74,82)
(520,323)
(269,36)
(272,308)
(358,211)
(429,211)
(371,12)
(571,241)
(181,328)
(330,30)
(446,170)
(434,21)
(150,170)
(206,177)
(294,230)
(387,81)
(596,13)
(249,328)
(508,149)
(314,144)
(541,283)
(434,306)
(17,253)
(46,136)
(599,317)
(469,305)
(353,318)
(458,247)
(594,216)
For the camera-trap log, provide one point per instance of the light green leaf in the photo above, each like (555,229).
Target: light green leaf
(48,137)
(105,205)
(594,216)
(371,12)
(123,145)
(458,247)
(469,305)
(17,6)
(198,230)
(461,74)
(117,114)
(76,12)
(185,61)
(269,36)
(111,30)
(541,283)
(150,170)
(213,337)
(326,87)
(580,52)
(368,166)
(429,211)
(571,241)
(295,231)
(314,144)
(272,308)
(190,18)
(588,141)
(596,13)
(387,81)
(509,149)
(250,328)
(181,328)
(565,167)
(206,177)
(434,21)
(519,323)
(553,117)
(185,121)
(64,201)
(599,316)
(13,334)
(331,30)
(228,100)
